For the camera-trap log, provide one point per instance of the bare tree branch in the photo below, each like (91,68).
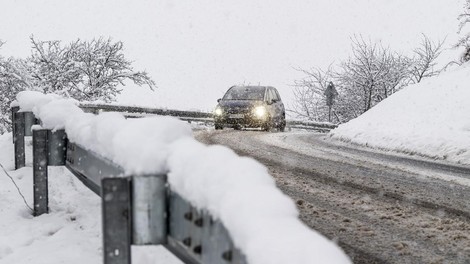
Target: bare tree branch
(84,70)
(424,62)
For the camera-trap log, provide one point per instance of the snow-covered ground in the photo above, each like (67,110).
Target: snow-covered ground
(429,119)
(70,233)
(262,221)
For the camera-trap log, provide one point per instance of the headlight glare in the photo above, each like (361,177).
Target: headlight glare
(260,111)
(218,111)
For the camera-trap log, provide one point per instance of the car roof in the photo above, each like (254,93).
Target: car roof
(251,86)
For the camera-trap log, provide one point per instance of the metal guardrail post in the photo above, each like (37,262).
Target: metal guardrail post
(18,137)
(40,188)
(116,206)
(149,210)
(14,110)
(57,147)
(29,121)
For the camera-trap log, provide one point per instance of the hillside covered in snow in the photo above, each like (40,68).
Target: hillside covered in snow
(427,119)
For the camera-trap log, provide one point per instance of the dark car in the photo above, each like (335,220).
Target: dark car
(250,106)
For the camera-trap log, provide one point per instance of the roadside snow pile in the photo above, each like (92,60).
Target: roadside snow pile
(429,118)
(262,221)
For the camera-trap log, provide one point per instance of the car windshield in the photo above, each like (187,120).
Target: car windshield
(245,93)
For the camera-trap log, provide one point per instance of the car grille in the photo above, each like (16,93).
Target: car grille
(238,110)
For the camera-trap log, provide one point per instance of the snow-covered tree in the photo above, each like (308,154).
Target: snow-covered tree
(53,69)
(374,71)
(371,74)
(14,78)
(424,61)
(84,70)
(104,67)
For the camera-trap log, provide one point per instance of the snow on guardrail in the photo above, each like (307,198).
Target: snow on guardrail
(262,221)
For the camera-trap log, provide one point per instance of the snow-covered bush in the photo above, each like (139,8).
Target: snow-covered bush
(83,70)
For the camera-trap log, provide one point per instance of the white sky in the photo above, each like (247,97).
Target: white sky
(195,50)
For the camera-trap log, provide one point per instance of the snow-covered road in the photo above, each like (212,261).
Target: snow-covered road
(379,206)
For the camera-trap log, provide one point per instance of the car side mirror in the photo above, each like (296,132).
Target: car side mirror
(218,100)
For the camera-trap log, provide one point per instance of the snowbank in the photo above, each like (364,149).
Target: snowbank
(429,118)
(262,220)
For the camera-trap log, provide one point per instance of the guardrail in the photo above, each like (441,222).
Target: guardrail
(96,108)
(136,209)
(151,199)
(192,116)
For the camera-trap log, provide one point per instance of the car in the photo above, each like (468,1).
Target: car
(250,107)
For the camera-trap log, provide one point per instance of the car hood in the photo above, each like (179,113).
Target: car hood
(239,103)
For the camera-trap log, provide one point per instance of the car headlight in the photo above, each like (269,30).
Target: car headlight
(218,111)
(260,111)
